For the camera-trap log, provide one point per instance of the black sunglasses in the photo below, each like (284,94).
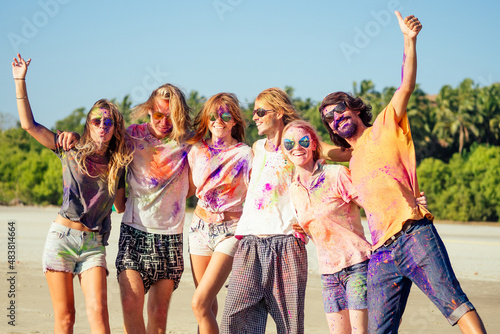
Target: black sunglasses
(261,112)
(340,108)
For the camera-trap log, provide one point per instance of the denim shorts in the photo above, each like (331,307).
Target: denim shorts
(417,256)
(153,256)
(73,251)
(206,238)
(345,289)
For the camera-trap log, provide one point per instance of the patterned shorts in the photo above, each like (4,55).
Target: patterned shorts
(153,256)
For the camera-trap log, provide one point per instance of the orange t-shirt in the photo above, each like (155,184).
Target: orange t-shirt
(384,174)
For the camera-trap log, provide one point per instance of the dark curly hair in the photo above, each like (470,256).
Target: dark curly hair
(352,103)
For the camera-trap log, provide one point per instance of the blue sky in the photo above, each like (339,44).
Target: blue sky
(86,50)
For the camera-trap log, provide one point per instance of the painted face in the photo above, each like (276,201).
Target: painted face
(341,120)
(221,123)
(160,122)
(268,123)
(298,146)
(101,125)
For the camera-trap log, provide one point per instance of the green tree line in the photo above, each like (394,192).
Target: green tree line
(456,135)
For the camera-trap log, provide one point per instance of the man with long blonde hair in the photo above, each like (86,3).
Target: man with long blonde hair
(150,247)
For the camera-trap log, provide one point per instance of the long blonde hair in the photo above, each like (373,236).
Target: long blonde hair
(179,110)
(120,155)
(221,100)
(279,100)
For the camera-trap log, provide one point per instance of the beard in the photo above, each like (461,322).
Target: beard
(347,130)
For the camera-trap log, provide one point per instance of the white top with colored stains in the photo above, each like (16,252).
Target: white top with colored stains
(158,183)
(268,209)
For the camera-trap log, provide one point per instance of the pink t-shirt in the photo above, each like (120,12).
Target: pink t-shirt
(384,174)
(221,176)
(158,179)
(327,212)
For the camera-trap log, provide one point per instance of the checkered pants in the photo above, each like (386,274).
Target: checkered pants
(269,276)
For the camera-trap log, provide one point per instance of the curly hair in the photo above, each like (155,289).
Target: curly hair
(352,103)
(306,126)
(279,100)
(120,154)
(179,110)
(227,101)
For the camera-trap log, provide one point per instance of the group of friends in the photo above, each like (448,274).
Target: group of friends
(256,208)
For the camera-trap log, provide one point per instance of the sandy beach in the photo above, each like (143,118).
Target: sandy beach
(474,252)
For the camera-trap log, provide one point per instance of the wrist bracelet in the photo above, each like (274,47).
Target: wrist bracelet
(22,98)
(19,78)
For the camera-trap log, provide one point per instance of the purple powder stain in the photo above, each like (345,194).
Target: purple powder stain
(216,172)
(268,187)
(154,182)
(320,182)
(240,167)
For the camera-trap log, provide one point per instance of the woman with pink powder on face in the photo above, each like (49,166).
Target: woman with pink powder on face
(327,211)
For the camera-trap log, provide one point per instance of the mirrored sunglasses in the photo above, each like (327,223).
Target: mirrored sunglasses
(158,116)
(304,142)
(106,121)
(225,116)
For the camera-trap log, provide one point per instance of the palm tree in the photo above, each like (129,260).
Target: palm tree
(456,114)
(488,106)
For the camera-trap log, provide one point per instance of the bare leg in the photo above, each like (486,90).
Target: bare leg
(470,322)
(339,322)
(63,300)
(132,296)
(158,303)
(209,277)
(359,321)
(94,286)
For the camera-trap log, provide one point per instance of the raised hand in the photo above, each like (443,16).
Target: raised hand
(410,25)
(20,67)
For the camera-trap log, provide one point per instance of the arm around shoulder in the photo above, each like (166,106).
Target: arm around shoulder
(334,153)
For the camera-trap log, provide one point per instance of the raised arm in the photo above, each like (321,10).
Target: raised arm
(410,27)
(43,135)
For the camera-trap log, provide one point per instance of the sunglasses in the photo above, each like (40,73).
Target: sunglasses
(108,122)
(224,116)
(339,109)
(158,116)
(261,112)
(304,142)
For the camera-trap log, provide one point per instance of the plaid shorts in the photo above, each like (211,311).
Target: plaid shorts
(153,256)
(269,277)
